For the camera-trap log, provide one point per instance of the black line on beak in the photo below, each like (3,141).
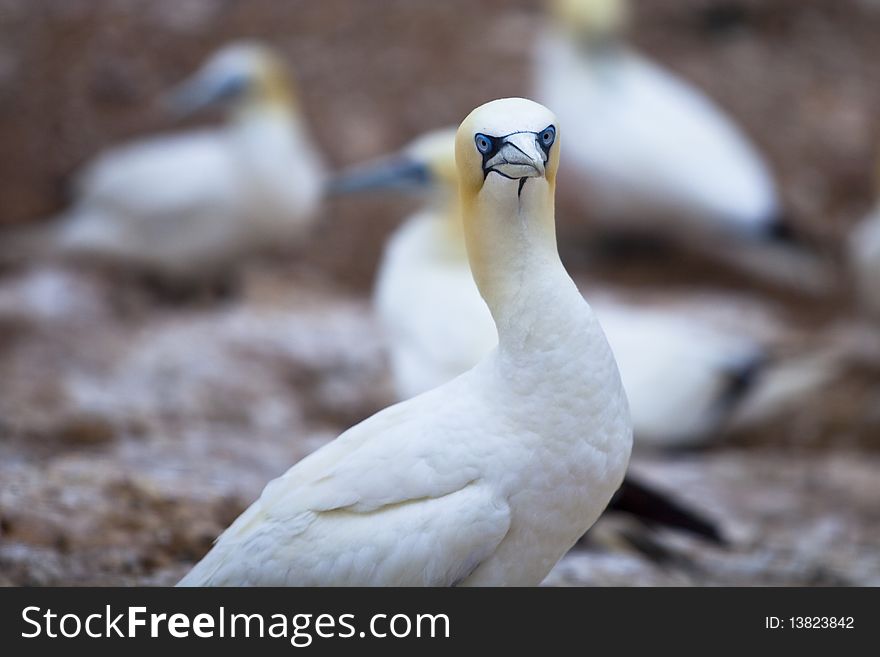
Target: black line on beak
(522,183)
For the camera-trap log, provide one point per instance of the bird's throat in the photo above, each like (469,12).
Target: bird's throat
(511,242)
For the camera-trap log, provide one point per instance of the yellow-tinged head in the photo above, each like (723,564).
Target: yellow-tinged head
(241,76)
(592,19)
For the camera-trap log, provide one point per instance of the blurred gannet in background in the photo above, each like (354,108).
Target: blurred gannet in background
(864,257)
(436,323)
(685,376)
(183,206)
(656,156)
(492,477)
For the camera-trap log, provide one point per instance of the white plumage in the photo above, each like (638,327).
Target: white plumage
(864,256)
(651,146)
(491,478)
(186,205)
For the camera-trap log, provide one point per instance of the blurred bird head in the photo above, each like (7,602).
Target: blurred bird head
(507,150)
(594,20)
(240,77)
(425,164)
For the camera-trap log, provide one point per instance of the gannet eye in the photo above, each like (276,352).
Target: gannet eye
(484,143)
(547,137)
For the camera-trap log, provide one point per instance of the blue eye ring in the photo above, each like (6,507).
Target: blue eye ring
(484,143)
(547,136)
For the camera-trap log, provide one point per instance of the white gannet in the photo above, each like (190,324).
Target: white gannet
(684,377)
(657,154)
(492,477)
(184,205)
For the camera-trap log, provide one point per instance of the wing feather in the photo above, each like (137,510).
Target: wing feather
(396,544)
(361,512)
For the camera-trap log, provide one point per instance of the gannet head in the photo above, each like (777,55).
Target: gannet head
(425,164)
(507,155)
(507,148)
(238,77)
(591,19)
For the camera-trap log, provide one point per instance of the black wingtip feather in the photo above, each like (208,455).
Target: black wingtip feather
(654,508)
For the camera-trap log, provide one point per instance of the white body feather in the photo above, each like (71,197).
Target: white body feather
(651,145)
(185,204)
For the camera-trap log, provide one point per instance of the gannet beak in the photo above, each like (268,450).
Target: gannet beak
(400,173)
(519,156)
(202,92)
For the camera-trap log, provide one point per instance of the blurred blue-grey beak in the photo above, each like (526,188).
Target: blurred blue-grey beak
(399,174)
(201,92)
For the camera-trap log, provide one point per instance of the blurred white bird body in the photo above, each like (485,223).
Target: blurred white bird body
(683,377)
(491,478)
(680,372)
(651,146)
(184,205)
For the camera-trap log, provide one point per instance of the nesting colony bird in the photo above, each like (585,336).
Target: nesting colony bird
(492,477)
(658,155)
(683,376)
(184,206)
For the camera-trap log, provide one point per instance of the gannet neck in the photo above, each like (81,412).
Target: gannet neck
(260,109)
